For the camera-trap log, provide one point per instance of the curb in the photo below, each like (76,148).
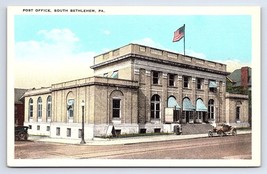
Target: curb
(125,141)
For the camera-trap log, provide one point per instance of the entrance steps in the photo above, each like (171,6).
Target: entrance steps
(188,129)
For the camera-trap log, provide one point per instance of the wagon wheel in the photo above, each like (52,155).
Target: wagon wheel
(234,133)
(210,134)
(220,133)
(16,138)
(22,136)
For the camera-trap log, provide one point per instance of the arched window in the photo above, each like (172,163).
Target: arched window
(39,107)
(155,107)
(188,110)
(116,104)
(70,106)
(172,103)
(211,109)
(30,109)
(201,110)
(49,107)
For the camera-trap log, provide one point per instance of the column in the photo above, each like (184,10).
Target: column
(164,96)
(148,95)
(194,96)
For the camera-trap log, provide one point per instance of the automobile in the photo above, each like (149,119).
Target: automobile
(222,130)
(21,133)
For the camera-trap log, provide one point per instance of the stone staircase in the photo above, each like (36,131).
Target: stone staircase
(188,129)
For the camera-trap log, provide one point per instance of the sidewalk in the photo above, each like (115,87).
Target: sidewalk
(129,140)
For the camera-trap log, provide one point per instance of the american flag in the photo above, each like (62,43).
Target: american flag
(178,34)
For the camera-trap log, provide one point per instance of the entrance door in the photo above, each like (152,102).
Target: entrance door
(176,117)
(187,116)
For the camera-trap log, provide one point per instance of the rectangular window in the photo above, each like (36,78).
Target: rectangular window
(155,110)
(237,112)
(58,131)
(199,83)
(105,75)
(155,78)
(30,126)
(186,81)
(38,127)
(171,79)
(80,133)
(47,128)
(157,130)
(116,105)
(142,131)
(212,85)
(68,132)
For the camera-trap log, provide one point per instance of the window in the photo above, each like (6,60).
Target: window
(105,75)
(142,131)
(47,128)
(38,127)
(155,107)
(49,107)
(186,82)
(115,74)
(39,107)
(80,133)
(211,109)
(30,108)
(237,113)
(212,85)
(199,83)
(68,132)
(171,79)
(70,108)
(157,130)
(57,131)
(155,78)
(30,126)
(116,105)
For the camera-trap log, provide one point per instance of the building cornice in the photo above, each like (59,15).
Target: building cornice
(161,61)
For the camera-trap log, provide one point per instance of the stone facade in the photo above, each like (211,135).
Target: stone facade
(135,89)
(97,94)
(237,110)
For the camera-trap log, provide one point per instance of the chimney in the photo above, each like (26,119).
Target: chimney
(244,77)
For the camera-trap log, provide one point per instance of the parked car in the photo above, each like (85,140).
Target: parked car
(21,133)
(222,130)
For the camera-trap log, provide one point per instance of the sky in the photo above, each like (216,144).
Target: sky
(56,48)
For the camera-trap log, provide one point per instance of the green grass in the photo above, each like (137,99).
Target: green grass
(244,128)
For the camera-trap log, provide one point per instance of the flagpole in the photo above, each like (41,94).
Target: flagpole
(184,39)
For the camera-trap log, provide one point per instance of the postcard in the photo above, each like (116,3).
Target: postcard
(133,86)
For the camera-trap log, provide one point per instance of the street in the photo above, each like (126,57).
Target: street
(227,147)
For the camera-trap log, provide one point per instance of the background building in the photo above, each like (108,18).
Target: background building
(19,106)
(239,88)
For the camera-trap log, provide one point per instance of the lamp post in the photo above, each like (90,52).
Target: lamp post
(82,133)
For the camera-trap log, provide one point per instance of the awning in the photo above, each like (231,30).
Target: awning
(187,105)
(212,84)
(172,103)
(201,106)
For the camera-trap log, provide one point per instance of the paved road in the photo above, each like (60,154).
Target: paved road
(228,147)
